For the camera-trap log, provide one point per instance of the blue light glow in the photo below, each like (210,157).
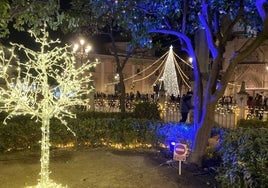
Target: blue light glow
(171,146)
(172,133)
(259,5)
(185,41)
(202,17)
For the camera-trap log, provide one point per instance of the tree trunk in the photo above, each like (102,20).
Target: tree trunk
(122,92)
(44,179)
(202,135)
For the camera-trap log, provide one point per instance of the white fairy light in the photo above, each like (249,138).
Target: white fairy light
(190,59)
(28,93)
(82,42)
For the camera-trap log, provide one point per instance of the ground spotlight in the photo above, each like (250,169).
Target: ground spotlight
(171,146)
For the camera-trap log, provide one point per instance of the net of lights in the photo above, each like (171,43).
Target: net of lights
(225,109)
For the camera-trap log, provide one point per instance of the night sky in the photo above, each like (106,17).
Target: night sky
(97,42)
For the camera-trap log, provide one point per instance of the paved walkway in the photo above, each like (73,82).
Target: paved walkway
(97,168)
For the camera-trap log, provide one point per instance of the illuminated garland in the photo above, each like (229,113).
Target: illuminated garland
(168,66)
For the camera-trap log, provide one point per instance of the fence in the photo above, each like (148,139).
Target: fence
(226,115)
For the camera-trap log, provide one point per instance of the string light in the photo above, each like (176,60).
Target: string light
(29,91)
(170,59)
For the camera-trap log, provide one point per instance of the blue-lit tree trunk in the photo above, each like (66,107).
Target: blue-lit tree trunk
(204,110)
(215,89)
(202,134)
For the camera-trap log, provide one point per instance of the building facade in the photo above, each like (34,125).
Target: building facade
(136,79)
(253,70)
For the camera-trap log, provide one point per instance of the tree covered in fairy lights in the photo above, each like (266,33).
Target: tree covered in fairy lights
(217,18)
(31,88)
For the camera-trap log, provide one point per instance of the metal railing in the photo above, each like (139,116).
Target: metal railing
(226,115)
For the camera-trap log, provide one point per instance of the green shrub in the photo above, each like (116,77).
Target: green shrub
(96,132)
(252,123)
(244,154)
(59,135)
(19,135)
(22,133)
(147,110)
(90,114)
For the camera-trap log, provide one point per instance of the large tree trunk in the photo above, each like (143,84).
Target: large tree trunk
(44,179)
(122,92)
(202,135)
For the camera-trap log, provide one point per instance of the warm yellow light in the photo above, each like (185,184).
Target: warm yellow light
(21,95)
(82,42)
(88,48)
(75,48)
(190,59)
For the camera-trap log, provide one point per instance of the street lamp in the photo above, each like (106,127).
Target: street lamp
(81,50)
(190,59)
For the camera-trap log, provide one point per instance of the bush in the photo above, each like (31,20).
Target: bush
(112,131)
(147,110)
(81,115)
(19,135)
(26,134)
(252,123)
(94,130)
(244,154)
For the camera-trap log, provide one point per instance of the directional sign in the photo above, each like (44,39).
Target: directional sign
(180,151)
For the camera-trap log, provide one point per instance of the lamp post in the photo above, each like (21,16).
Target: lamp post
(82,49)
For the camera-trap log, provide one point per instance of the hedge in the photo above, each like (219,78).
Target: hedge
(244,155)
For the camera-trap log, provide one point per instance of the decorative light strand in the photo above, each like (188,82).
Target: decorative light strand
(161,67)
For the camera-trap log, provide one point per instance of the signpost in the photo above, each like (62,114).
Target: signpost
(179,154)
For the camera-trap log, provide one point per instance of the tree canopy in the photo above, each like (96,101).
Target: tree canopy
(29,14)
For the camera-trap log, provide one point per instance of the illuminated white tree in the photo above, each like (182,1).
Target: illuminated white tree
(170,75)
(30,91)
